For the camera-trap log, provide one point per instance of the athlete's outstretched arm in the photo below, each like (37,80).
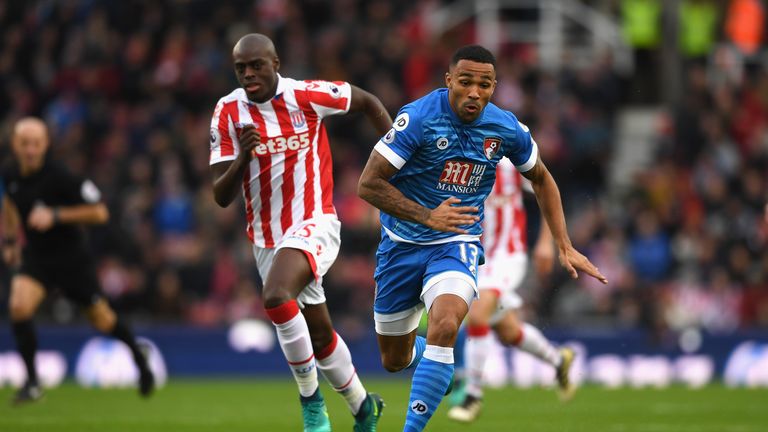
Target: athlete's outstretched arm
(374,187)
(543,251)
(371,106)
(548,197)
(228,176)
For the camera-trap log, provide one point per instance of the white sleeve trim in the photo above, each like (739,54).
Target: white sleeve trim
(531,160)
(349,97)
(220,159)
(389,155)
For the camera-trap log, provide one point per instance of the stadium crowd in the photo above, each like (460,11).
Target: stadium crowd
(128,89)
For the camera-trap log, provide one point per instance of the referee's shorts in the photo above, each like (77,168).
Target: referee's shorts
(73,273)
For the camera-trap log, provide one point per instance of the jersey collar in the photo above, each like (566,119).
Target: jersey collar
(281,86)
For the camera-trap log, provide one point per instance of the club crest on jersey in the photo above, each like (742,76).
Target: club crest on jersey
(491,146)
(297,119)
(461,177)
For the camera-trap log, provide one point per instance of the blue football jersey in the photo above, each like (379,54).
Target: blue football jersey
(439,156)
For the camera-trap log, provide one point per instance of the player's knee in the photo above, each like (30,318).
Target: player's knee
(20,311)
(276,295)
(443,331)
(509,336)
(103,325)
(395,362)
(478,319)
(103,320)
(276,300)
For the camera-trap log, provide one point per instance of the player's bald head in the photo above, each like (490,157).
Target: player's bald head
(30,143)
(254,43)
(256,66)
(30,127)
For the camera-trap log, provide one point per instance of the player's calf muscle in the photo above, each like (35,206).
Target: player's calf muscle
(395,361)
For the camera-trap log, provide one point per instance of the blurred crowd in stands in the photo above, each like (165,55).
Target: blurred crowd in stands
(128,89)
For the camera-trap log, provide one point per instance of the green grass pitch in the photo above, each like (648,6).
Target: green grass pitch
(270,405)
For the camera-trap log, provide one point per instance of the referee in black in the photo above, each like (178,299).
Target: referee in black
(50,204)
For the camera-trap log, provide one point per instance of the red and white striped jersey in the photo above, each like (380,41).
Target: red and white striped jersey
(504,226)
(289,179)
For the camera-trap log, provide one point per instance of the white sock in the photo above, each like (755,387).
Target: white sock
(532,341)
(439,354)
(335,362)
(293,335)
(476,352)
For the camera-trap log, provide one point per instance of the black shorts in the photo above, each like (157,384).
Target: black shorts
(73,273)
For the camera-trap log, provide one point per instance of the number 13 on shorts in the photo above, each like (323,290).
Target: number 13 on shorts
(469,253)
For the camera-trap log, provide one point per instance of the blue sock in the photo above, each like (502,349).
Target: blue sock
(430,381)
(419,346)
(458,349)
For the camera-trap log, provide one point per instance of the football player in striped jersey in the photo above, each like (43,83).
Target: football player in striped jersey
(268,140)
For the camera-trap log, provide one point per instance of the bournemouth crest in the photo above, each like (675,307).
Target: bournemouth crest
(491,146)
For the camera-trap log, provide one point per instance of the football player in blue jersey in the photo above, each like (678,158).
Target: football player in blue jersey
(429,176)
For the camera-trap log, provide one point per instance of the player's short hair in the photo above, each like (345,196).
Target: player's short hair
(474,53)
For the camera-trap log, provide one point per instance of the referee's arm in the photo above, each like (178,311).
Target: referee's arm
(42,218)
(10,223)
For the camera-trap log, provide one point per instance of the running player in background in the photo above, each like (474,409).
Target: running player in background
(430,175)
(50,204)
(268,140)
(506,262)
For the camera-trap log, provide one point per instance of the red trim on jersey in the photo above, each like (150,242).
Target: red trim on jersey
(301,362)
(326,170)
(311,259)
(328,350)
(291,157)
(283,313)
(309,185)
(478,331)
(226,147)
(265,188)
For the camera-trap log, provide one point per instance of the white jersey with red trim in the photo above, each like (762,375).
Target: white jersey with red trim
(290,177)
(504,226)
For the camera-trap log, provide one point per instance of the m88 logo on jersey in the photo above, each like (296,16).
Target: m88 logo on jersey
(282,144)
(461,176)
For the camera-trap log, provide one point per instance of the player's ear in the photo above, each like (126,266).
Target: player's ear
(448,79)
(276,63)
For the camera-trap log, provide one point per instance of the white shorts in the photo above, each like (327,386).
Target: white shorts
(504,274)
(402,323)
(319,238)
